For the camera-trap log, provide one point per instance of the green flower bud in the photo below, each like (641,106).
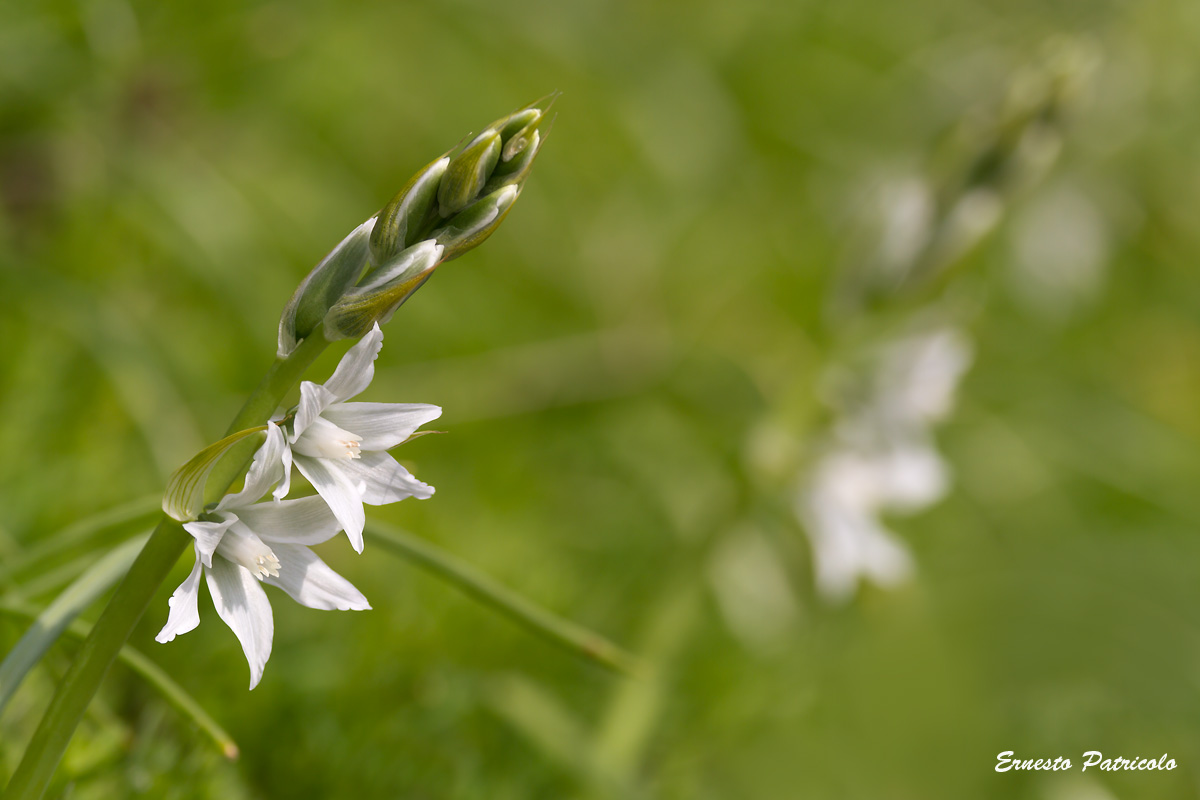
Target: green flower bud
(518,129)
(514,172)
(388,288)
(468,172)
(510,126)
(469,227)
(400,219)
(322,287)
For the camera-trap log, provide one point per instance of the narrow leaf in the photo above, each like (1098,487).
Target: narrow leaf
(549,626)
(78,532)
(58,615)
(151,673)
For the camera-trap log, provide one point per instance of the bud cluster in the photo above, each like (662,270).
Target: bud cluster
(446,209)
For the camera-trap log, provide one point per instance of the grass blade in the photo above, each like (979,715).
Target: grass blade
(549,626)
(50,624)
(81,531)
(153,674)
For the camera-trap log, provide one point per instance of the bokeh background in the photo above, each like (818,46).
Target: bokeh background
(639,373)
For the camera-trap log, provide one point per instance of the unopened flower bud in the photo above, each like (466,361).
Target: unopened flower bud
(514,123)
(516,140)
(385,291)
(513,173)
(468,173)
(322,287)
(399,221)
(469,227)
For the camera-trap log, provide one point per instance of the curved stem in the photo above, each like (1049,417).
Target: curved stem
(129,602)
(563,632)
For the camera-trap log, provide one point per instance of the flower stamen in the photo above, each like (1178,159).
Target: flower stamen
(241,546)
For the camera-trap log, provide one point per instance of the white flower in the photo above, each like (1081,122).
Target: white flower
(342,447)
(918,376)
(882,460)
(242,543)
(842,504)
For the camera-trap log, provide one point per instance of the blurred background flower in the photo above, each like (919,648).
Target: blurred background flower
(682,328)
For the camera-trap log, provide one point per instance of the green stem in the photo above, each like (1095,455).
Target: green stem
(549,626)
(278,381)
(129,602)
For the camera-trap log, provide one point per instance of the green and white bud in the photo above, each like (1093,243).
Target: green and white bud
(385,291)
(515,171)
(469,227)
(468,172)
(450,206)
(321,288)
(516,141)
(509,126)
(400,220)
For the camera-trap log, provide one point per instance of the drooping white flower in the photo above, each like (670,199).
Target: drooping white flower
(881,460)
(843,500)
(341,448)
(241,543)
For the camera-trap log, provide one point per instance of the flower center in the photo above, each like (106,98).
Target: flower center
(323,439)
(241,546)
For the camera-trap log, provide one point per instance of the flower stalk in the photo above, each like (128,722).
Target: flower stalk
(450,207)
(133,595)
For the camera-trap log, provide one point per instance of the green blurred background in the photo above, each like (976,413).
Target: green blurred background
(631,371)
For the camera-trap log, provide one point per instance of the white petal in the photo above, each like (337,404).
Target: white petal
(323,439)
(383,480)
(185,615)
(208,535)
(339,491)
(311,582)
(314,399)
(304,521)
(264,471)
(243,604)
(285,485)
(357,367)
(381,426)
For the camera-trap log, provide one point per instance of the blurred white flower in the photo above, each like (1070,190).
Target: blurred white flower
(341,448)
(881,460)
(241,543)
(917,377)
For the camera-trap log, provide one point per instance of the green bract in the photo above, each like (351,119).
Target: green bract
(468,172)
(184,497)
(322,287)
(399,221)
(384,292)
(472,225)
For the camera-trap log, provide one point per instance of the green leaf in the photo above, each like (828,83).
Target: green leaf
(79,532)
(151,673)
(58,615)
(562,632)
(537,714)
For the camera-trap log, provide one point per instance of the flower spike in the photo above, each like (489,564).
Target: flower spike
(454,203)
